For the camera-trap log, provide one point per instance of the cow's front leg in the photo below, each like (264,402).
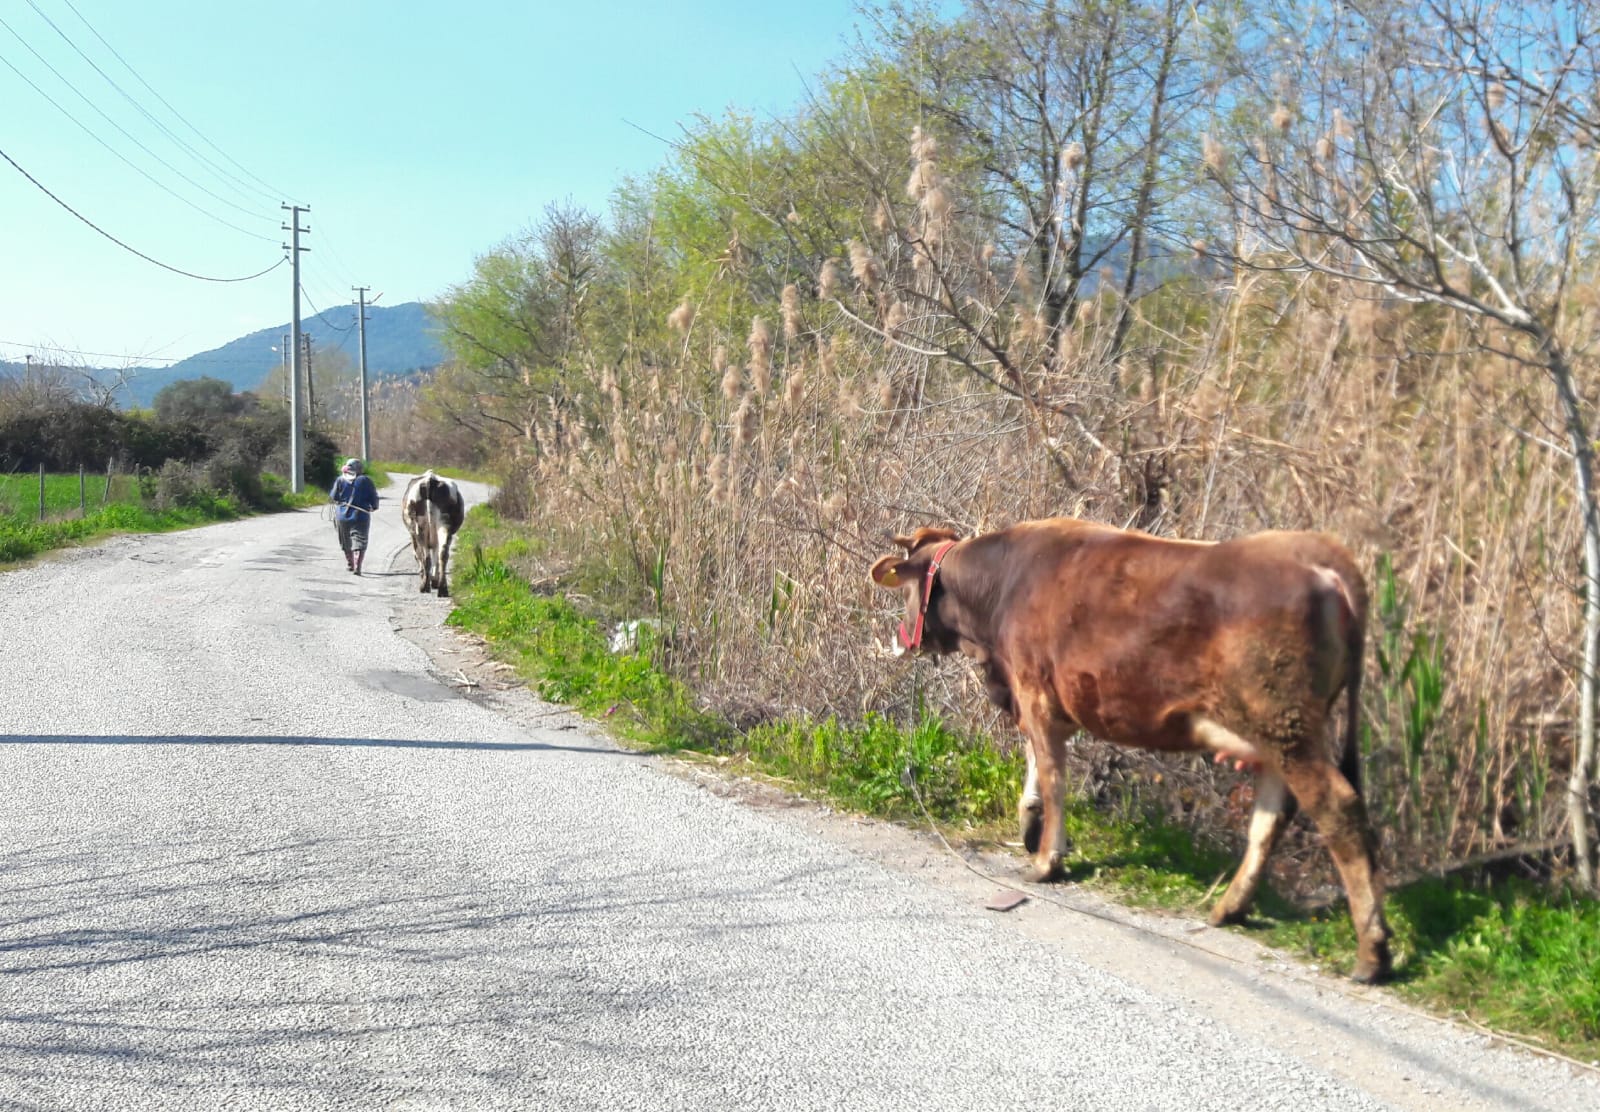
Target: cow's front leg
(1030,807)
(1047,734)
(1273,809)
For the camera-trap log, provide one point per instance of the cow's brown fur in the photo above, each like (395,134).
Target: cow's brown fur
(1169,645)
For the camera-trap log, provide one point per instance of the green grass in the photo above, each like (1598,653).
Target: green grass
(19,494)
(386,466)
(23,535)
(1515,957)
(21,538)
(883,768)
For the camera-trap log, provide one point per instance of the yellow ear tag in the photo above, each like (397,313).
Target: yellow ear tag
(885,572)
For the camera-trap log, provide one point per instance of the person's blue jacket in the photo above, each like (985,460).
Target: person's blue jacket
(353,497)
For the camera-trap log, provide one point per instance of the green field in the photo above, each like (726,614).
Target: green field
(123,509)
(19,494)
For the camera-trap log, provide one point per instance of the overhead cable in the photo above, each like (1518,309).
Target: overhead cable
(130,163)
(141,109)
(272,193)
(132,250)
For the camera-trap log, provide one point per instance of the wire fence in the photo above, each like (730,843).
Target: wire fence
(55,496)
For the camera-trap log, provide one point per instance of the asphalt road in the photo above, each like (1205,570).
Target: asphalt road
(257,853)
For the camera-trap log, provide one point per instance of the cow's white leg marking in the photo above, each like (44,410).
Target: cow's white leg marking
(1030,807)
(1266,824)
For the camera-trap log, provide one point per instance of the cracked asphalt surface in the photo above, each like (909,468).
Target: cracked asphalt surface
(257,851)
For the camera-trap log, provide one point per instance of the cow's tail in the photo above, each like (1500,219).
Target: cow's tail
(1350,759)
(1355,642)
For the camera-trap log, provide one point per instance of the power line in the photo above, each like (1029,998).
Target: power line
(341,268)
(132,250)
(131,164)
(53,349)
(272,193)
(319,314)
(163,128)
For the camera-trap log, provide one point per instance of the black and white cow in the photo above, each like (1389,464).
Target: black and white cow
(433,510)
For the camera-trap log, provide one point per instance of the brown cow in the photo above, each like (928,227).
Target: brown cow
(1240,648)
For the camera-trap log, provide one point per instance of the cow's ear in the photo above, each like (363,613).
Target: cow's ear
(886,571)
(930,534)
(907,543)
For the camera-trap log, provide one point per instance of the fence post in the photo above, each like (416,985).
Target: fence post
(106,497)
(41,492)
(83,505)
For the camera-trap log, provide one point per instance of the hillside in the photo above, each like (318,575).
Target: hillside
(400,339)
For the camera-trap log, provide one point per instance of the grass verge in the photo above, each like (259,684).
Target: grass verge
(23,536)
(1512,956)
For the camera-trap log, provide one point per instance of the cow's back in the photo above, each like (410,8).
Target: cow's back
(1136,635)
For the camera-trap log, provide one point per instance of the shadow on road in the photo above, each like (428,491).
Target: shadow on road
(359,742)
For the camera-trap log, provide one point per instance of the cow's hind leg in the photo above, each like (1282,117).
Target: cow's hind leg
(1342,820)
(1030,807)
(1274,808)
(444,563)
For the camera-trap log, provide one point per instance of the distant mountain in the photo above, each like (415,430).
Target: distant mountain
(400,340)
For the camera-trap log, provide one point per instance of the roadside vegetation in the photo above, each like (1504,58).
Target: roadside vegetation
(133,506)
(201,454)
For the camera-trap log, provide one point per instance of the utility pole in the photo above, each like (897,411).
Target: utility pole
(361,321)
(297,477)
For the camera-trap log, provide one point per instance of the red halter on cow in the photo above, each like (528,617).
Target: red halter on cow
(1240,648)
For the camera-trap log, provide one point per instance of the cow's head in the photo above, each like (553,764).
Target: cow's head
(925,550)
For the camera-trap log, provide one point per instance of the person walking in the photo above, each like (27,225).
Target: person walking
(355,500)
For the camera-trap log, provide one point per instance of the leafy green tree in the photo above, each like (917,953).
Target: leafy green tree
(201,401)
(515,331)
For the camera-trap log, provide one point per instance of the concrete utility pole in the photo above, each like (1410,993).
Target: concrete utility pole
(311,390)
(361,321)
(297,476)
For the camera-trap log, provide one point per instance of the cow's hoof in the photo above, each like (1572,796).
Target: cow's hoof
(1223,916)
(1374,969)
(444,592)
(1043,872)
(1032,826)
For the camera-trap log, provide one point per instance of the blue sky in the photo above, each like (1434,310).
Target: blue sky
(421,135)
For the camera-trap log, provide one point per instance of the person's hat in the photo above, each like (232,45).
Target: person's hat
(353,465)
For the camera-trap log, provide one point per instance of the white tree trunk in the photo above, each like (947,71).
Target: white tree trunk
(1578,784)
